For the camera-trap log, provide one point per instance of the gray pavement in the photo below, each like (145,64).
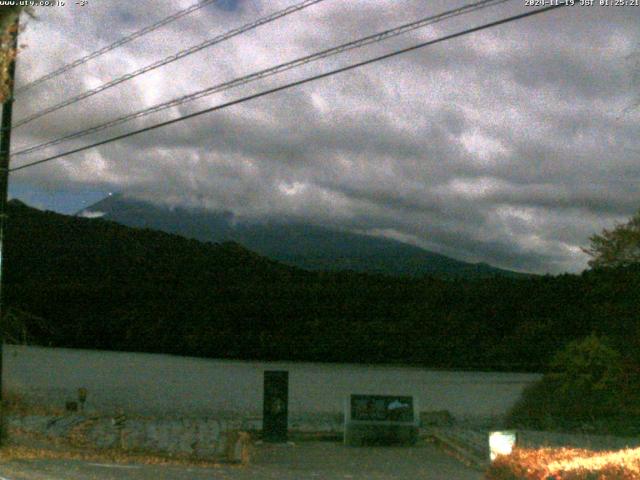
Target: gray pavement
(299,461)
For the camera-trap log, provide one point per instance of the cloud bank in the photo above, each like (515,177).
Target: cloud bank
(510,146)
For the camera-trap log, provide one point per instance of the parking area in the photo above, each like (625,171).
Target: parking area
(292,461)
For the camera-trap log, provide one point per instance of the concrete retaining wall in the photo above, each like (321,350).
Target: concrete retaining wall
(196,437)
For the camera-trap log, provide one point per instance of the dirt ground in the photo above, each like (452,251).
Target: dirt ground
(293,461)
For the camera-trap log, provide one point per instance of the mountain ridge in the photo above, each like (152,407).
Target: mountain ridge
(304,245)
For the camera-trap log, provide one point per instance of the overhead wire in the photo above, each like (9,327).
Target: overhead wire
(167,60)
(267,72)
(113,46)
(294,84)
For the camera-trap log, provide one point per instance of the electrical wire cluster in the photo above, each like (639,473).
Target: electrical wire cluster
(255,76)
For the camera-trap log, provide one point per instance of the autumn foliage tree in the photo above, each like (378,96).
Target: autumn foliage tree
(8,16)
(619,247)
(8,25)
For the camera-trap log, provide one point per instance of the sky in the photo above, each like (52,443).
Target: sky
(510,146)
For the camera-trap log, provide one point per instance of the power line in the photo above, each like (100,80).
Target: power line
(293,84)
(377,37)
(181,54)
(118,43)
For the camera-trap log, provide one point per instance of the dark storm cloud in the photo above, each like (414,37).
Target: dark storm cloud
(511,146)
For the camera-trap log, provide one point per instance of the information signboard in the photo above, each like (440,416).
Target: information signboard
(380,419)
(382,408)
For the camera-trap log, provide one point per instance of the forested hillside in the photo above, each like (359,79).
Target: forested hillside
(303,245)
(90,283)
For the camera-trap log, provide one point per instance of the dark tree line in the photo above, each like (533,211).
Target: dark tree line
(88,283)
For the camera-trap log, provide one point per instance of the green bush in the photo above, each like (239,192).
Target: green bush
(587,389)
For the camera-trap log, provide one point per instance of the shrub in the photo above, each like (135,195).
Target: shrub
(587,388)
(565,464)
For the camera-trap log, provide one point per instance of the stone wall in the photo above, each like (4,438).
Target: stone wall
(192,437)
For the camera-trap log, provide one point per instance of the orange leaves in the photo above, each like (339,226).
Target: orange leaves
(566,464)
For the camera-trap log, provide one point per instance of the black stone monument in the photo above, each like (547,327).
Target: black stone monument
(275,407)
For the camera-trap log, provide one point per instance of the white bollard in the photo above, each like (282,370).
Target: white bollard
(502,443)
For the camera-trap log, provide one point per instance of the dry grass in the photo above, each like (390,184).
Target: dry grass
(239,447)
(566,464)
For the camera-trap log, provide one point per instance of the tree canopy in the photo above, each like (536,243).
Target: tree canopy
(589,387)
(619,247)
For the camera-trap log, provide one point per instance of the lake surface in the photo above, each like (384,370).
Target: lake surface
(151,384)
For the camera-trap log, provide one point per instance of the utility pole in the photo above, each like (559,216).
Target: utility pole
(5,146)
